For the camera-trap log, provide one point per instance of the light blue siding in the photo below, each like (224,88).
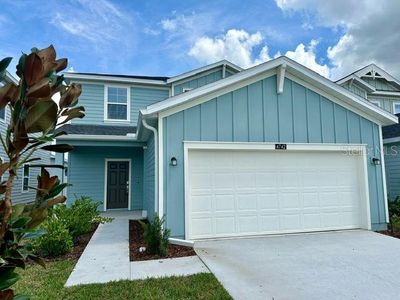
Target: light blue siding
(92,98)
(87,172)
(353,87)
(392,166)
(198,81)
(379,83)
(297,115)
(149,178)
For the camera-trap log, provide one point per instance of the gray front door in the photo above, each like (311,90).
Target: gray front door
(117,184)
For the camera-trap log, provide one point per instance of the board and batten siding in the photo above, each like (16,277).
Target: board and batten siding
(392,166)
(385,102)
(379,83)
(149,178)
(198,81)
(87,173)
(256,113)
(92,98)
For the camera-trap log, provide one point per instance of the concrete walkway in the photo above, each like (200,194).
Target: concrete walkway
(333,265)
(106,258)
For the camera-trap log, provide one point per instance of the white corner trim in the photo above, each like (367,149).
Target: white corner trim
(280,78)
(128,103)
(156,191)
(160,167)
(105,180)
(383,170)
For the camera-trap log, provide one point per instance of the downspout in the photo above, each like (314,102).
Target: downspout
(155,133)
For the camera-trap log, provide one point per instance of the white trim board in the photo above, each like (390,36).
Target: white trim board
(333,90)
(270,147)
(106,160)
(106,78)
(382,155)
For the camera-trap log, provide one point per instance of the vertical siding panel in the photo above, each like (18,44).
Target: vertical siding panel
(192,127)
(341,124)
(313,117)
(225,117)
(256,124)
(354,128)
(327,121)
(209,121)
(174,196)
(285,113)
(240,115)
(299,113)
(270,97)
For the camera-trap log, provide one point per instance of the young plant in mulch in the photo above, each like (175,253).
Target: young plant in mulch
(156,237)
(34,117)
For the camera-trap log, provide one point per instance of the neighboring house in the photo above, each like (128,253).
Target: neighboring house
(26,176)
(275,148)
(382,89)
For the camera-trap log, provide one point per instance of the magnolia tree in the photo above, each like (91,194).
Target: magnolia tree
(34,118)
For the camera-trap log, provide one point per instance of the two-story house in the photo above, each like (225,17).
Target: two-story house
(26,176)
(382,89)
(222,151)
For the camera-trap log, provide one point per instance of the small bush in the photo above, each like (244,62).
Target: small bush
(81,216)
(394,213)
(56,241)
(156,237)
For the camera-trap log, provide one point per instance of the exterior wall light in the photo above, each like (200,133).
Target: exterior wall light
(376,161)
(174,162)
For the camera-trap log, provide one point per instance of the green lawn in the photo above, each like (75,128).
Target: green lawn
(48,283)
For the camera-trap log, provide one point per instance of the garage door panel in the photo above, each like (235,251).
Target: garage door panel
(233,193)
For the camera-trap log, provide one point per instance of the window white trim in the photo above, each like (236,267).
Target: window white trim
(394,107)
(294,147)
(376,102)
(1,162)
(23,178)
(128,103)
(105,180)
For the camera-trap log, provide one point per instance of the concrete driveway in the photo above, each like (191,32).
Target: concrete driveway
(334,265)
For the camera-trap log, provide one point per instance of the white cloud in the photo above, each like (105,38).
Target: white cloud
(240,47)
(371,31)
(169,24)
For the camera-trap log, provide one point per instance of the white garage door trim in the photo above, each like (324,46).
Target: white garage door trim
(355,149)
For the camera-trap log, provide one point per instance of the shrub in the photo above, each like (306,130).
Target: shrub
(81,216)
(56,240)
(394,213)
(156,237)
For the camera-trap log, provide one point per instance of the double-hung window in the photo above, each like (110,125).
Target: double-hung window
(117,103)
(25,178)
(396,107)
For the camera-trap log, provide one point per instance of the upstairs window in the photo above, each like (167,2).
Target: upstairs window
(3,114)
(396,108)
(117,103)
(25,178)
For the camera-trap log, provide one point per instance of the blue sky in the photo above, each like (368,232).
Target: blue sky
(170,37)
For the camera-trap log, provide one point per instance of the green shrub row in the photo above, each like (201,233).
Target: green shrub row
(66,224)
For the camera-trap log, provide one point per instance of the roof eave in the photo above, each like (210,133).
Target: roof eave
(85,77)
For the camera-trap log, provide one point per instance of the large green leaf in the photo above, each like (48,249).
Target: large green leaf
(8,278)
(41,116)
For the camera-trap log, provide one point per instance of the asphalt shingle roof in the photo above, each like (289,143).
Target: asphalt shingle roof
(97,129)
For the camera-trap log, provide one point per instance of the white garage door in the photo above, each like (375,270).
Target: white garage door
(247,192)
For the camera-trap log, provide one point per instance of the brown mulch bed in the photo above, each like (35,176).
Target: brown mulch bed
(79,245)
(136,241)
(395,234)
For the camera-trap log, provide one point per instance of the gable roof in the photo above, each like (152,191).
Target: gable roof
(132,79)
(373,71)
(205,69)
(97,129)
(359,104)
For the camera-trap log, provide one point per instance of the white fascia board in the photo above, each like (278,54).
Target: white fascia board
(369,88)
(379,115)
(387,93)
(10,78)
(79,77)
(204,69)
(86,137)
